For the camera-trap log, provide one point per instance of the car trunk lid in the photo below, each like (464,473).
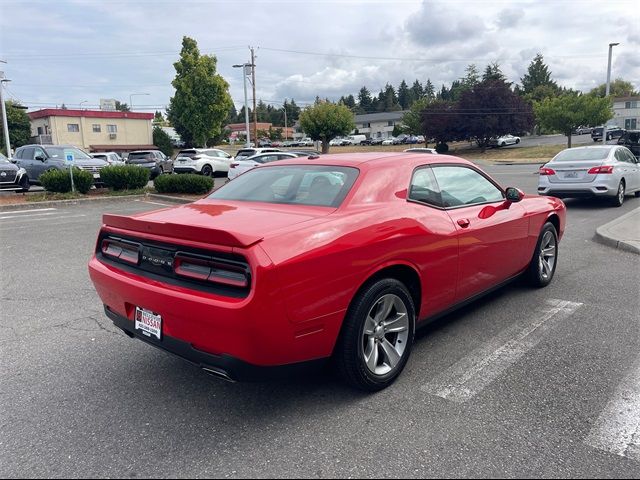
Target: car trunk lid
(232,224)
(573,171)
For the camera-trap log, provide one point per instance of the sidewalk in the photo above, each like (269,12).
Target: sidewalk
(622,233)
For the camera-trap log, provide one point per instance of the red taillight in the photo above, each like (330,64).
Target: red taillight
(547,171)
(602,169)
(116,249)
(210,271)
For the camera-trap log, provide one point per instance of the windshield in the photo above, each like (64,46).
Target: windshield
(64,152)
(585,154)
(245,153)
(316,185)
(4,159)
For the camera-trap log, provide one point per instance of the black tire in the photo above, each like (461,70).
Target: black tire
(25,184)
(618,200)
(536,274)
(207,171)
(517,141)
(349,354)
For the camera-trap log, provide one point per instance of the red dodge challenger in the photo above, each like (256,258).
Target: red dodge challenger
(302,260)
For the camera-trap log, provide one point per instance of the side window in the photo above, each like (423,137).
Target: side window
(19,153)
(39,153)
(27,153)
(621,156)
(464,186)
(424,188)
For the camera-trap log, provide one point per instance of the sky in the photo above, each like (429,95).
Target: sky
(79,51)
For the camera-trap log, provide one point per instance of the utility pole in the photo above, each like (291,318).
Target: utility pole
(5,126)
(285,119)
(253,82)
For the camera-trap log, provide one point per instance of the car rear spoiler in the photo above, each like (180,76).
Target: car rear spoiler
(193,233)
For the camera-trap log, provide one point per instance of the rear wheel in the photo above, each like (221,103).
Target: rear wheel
(517,141)
(545,257)
(377,336)
(207,171)
(618,200)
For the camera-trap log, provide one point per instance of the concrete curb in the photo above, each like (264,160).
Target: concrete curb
(622,233)
(168,198)
(63,203)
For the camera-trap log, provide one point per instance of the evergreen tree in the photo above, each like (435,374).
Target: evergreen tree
(493,72)
(538,75)
(232,115)
(417,92)
(405,98)
(429,90)
(365,101)
(472,77)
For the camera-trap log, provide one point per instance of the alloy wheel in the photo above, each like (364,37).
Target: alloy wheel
(547,257)
(385,335)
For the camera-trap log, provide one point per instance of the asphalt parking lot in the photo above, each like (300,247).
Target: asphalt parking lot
(524,383)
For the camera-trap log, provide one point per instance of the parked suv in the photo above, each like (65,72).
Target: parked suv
(207,161)
(37,159)
(153,160)
(112,158)
(631,140)
(613,131)
(12,177)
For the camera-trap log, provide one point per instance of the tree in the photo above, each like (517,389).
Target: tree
(440,122)
(325,121)
(122,107)
(293,111)
(493,72)
(232,114)
(202,101)
(158,118)
(566,112)
(405,98)
(491,109)
(472,77)
(429,90)
(413,118)
(537,76)
(18,124)
(365,101)
(417,92)
(617,88)
(162,140)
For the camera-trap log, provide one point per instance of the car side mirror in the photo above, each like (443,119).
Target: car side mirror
(41,158)
(514,195)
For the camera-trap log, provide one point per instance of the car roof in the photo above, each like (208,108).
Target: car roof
(143,151)
(375,159)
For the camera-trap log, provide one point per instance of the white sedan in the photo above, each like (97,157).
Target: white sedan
(504,141)
(388,141)
(240,166)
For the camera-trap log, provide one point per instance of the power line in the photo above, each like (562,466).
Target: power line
(30,56)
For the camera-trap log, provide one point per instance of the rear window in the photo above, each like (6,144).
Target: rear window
(187,153)
(137,157)
(577,154)
(245,153)
(316,185)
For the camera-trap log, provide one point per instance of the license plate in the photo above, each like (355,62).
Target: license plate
(96,175)
(148,323)
(571,175)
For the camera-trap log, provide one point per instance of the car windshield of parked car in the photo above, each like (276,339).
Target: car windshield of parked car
(140,157)
(245,153)
(578,154)
(63,152)
(315,185)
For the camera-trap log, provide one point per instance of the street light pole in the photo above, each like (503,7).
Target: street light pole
(284,107)
(5,126)
(244,67)
(131,99)
(606,92)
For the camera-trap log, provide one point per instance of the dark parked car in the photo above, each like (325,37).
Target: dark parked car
(612,132)
(154,160)
(12,177)
(631,140)
(377,141)
(37,159)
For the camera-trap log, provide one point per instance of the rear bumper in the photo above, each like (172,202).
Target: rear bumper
(603,186)
(221,366)
(185,169)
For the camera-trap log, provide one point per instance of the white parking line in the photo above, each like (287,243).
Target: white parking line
(10,225)
(27,216)
(470,375)
(31,210)
(156,203)
(617,429)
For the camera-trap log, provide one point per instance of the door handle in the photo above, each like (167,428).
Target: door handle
(464,222)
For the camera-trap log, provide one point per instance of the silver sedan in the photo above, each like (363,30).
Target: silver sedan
(599,171)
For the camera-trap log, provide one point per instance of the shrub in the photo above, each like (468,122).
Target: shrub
(442,148)
(195,184)
(124,177)
(60,180)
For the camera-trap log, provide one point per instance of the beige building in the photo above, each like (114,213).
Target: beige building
(93,130)
(626,112)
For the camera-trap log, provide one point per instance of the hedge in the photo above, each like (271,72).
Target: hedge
(195,184)
(60,180)
(124,177)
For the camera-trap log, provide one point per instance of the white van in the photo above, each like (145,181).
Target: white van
(356,139)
